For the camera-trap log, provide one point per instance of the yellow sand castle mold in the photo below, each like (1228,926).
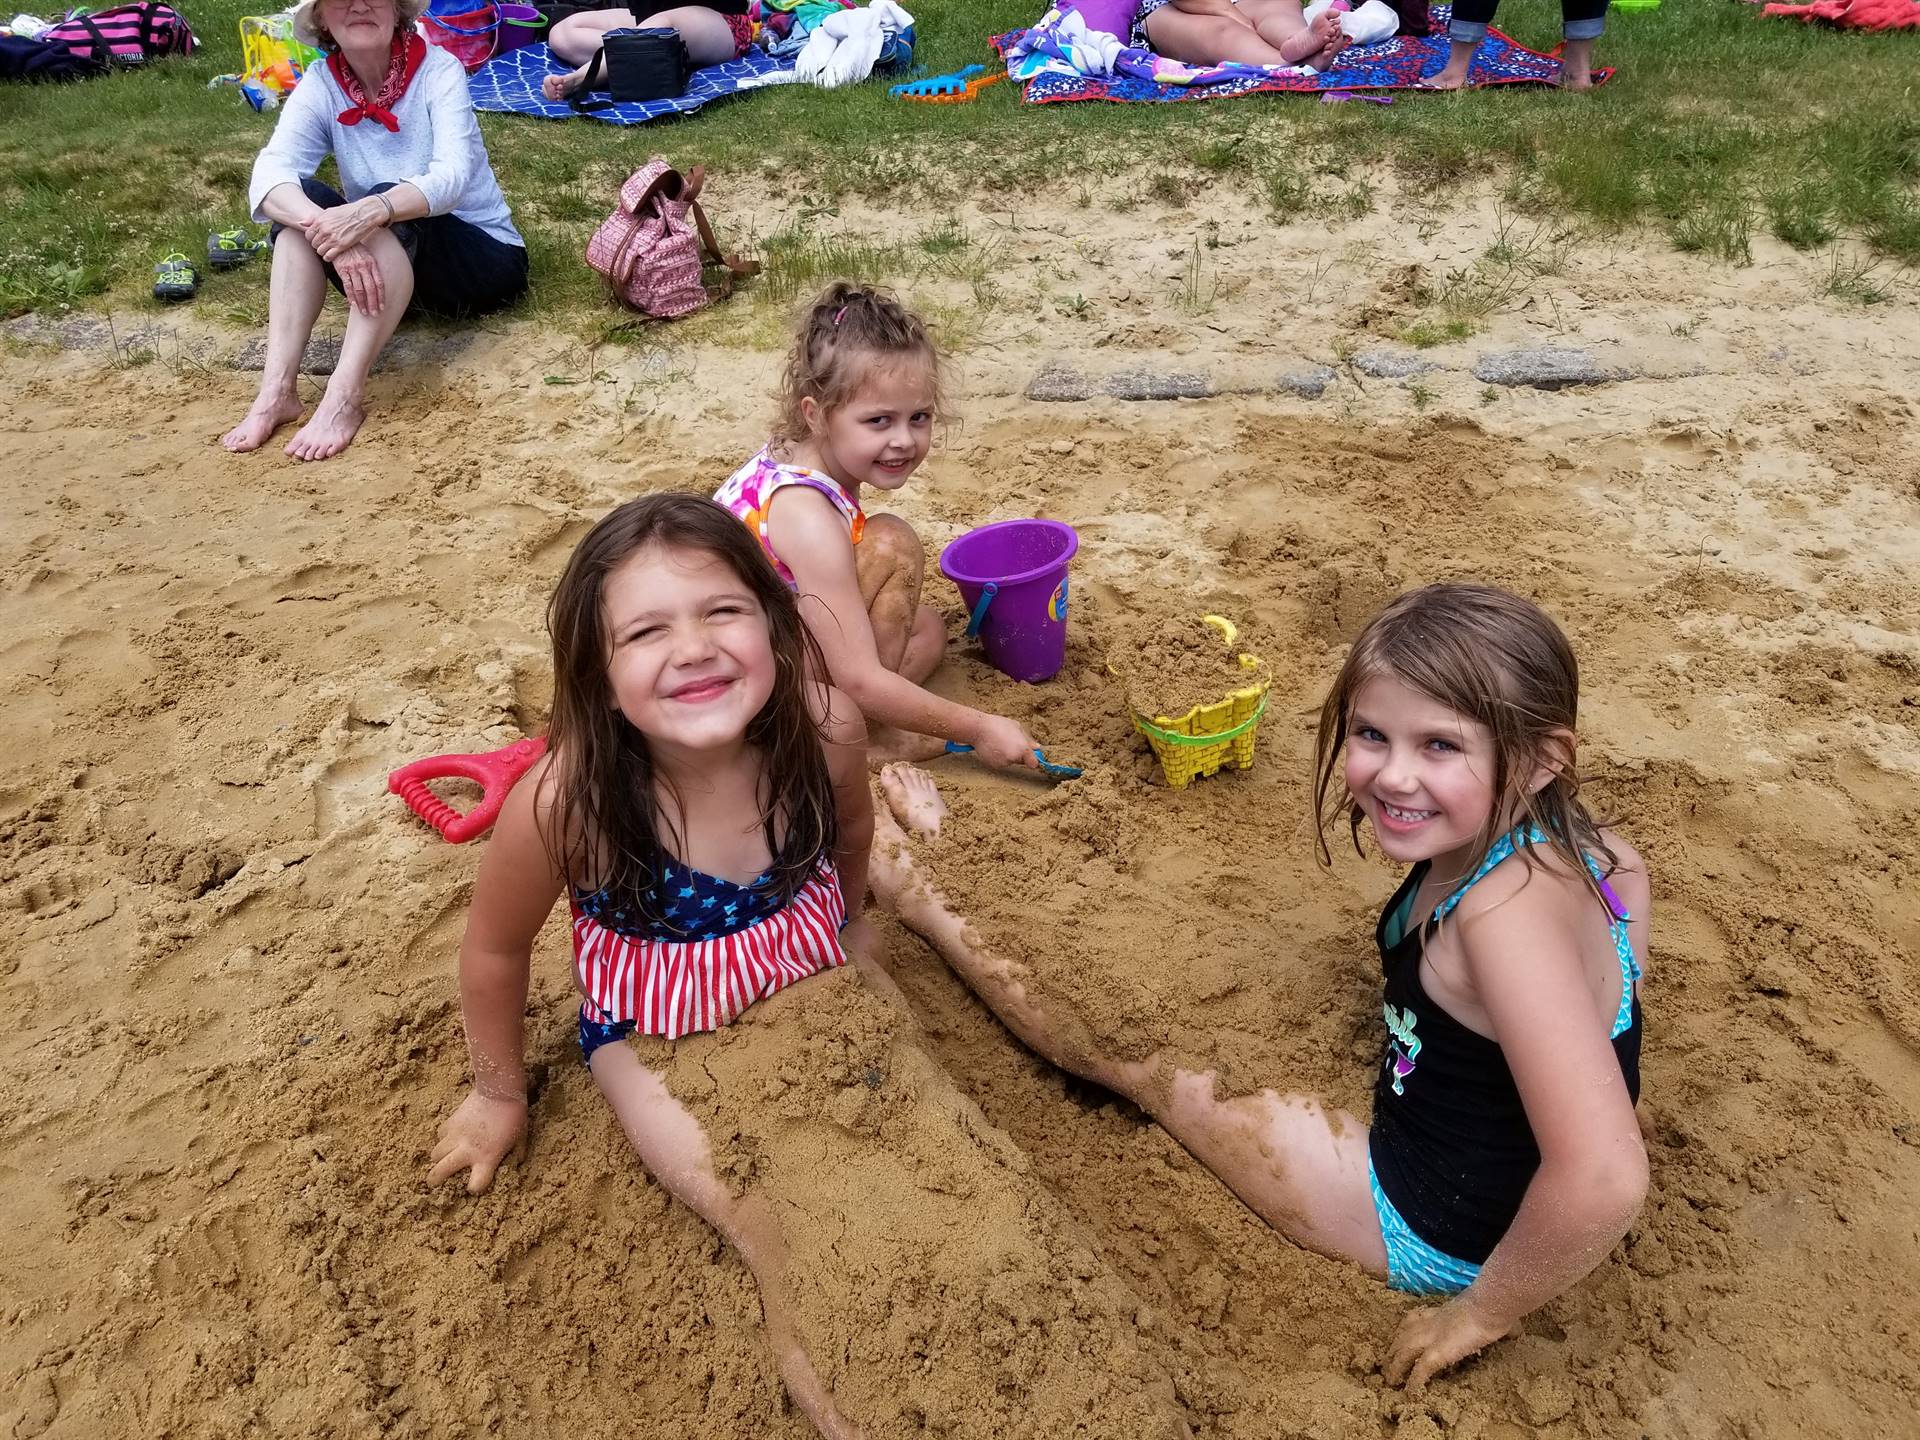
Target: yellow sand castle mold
(1209,736)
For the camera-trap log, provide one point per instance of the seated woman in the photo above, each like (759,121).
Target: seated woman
(713,31)
(422,222)
(1245,32)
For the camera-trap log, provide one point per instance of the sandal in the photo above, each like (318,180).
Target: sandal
(174,278)
(230,249)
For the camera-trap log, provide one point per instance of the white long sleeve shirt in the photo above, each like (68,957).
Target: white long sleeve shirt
(438,148)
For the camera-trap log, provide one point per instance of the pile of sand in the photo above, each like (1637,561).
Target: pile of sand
(227,955)
(1174,664)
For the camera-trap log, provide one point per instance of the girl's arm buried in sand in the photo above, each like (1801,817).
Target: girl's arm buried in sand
(512,897)
(1593,1162)
(810,535)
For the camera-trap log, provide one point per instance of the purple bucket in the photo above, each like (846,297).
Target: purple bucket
(1013,578)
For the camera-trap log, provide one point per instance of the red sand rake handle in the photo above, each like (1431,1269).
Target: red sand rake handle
(495,773)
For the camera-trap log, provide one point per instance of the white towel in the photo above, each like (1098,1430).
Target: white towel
(1368,24)
(844,47)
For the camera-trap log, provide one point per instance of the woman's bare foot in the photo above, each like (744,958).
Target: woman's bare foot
(914,798)
(330,431)
(564,87)
(1303,45)
(268,414)
(1451,78)
(1576,65)
(1323,62)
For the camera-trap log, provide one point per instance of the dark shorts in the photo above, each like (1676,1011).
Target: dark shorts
(458,269)
(595,1033)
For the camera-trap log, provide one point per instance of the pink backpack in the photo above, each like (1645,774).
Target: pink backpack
(650,252)
(125,34)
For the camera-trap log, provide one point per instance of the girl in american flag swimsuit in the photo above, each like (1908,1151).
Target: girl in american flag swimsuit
(704,807)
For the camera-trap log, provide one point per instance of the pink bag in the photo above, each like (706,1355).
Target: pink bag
(649,250)
(124,34)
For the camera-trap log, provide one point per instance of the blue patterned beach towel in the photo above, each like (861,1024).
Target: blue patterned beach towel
(511,82)
(1397,63)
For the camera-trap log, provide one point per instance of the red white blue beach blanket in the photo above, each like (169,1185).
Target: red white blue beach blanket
(1397,63)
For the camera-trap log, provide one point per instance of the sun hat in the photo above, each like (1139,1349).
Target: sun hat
(308,30)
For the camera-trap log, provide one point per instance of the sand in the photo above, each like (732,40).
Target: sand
(227,955)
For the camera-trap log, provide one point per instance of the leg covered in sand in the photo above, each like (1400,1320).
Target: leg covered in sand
(910,637)
(888,1223)
(1297,1164)
(675,1151)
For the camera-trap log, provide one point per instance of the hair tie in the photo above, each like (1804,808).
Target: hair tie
(838,316)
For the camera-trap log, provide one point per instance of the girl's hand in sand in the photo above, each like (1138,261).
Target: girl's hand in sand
(479,1135)
(1439,1336)
(1002,743)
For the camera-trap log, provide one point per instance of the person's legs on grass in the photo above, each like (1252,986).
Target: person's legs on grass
(576,39)
(1468,27)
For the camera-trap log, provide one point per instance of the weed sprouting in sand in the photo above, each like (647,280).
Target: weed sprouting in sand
(1797,214)
(1288,191)
(1719,225)
(1859,279)
(1195,291)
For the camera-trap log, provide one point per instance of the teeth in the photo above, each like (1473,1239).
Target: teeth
(1395,813)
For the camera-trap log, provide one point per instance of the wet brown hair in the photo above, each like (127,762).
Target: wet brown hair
(1498,660)
(607,828)
(841,337)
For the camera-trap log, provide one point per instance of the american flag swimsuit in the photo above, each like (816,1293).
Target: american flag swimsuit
(722,947)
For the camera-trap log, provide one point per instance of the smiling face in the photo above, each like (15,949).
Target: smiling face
(1422,773)
(692,657)
(883,432)
(358,22)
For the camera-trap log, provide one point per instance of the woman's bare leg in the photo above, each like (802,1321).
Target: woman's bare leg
(1209,39)
(675,1151)
(1282,25)
(342,410)
(1299,1166)
(295,292)
(575,40)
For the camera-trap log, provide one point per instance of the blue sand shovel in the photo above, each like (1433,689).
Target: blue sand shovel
(1058,772)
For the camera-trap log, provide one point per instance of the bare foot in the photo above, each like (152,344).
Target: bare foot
(330,431)
(563,87)
(886,745)
(1304,44)
(268,414)
(1323,62)
(914,798)
(1448,79)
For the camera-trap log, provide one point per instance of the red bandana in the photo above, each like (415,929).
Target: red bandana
(408,51)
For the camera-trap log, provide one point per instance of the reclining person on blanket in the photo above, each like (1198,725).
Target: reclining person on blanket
(714,31)
(1248,32)
(422,222)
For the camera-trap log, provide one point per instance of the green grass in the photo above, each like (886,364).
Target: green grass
(1719,124)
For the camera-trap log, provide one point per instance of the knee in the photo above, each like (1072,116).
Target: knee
(893,540)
